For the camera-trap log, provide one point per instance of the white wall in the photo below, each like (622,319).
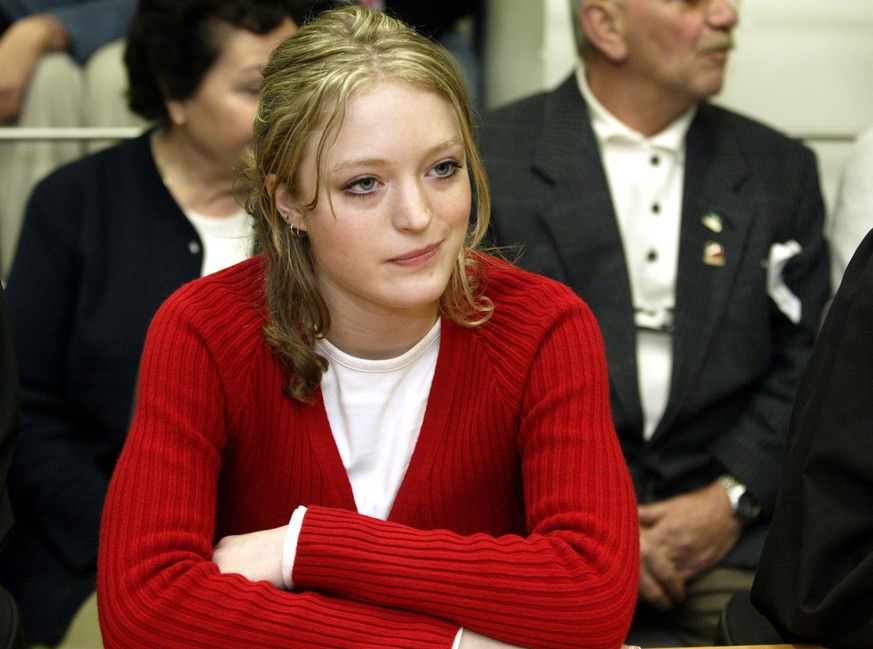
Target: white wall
(803,66)
(528,47)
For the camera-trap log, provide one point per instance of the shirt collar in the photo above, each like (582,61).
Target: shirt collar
(609,129)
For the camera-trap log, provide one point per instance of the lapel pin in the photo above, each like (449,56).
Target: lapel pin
(713,254)
(713,221)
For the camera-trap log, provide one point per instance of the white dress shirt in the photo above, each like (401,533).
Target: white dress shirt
(645,176)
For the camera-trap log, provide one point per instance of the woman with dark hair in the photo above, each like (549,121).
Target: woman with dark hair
(106,239)
(373,434)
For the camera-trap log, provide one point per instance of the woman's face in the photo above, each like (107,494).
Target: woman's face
(393,206)
(218,117)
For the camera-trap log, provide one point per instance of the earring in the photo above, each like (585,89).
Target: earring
(296,232)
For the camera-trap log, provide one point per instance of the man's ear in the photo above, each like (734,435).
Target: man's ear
(288,208)
(603,22)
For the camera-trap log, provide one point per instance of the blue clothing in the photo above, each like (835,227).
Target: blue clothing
(90,24)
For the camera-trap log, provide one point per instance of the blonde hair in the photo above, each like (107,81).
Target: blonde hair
(307,85)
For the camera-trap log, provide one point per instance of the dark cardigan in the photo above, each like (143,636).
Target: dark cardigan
(103,245)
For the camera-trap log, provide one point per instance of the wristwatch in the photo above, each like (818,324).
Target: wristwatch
(745,507)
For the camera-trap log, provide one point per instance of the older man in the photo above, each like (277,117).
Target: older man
(695,235)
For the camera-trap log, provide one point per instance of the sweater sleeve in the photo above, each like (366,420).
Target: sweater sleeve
(157,586)
(54,473)
(94,23)
(9,413)
(571,582)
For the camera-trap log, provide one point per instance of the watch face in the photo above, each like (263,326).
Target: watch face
(747,508)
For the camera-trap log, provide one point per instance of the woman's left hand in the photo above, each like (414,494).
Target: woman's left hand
(256,556)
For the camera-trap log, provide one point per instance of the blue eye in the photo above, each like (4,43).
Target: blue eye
(360,186)
(446,168)
(366,184)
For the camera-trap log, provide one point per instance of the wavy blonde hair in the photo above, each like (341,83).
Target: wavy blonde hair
(307,85)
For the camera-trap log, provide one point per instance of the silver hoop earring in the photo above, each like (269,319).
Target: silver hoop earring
(296,232)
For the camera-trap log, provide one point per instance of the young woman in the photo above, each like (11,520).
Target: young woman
(372,435)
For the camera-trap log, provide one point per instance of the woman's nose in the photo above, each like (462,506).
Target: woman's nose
(413,211)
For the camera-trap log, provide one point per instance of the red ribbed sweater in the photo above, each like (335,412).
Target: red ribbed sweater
(516,517)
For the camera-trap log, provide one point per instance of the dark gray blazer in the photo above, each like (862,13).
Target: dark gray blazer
(737,358)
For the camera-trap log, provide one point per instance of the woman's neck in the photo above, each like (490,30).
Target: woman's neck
(197,182)
(380,336)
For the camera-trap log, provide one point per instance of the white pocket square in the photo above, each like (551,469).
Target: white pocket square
(788,302)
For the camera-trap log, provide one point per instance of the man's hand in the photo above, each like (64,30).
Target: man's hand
(20,48)
(661,585)
(256,556)
(681,537)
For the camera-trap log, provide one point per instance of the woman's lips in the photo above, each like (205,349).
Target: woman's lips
(417,257)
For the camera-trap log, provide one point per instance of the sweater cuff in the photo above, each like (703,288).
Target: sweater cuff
(289,550)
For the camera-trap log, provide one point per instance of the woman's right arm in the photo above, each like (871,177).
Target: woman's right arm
(53,473)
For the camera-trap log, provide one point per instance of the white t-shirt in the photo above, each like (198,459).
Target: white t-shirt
(375,409)
(226,240)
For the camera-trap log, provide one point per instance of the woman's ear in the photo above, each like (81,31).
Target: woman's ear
(176,111)
(287,207)
(603,22)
